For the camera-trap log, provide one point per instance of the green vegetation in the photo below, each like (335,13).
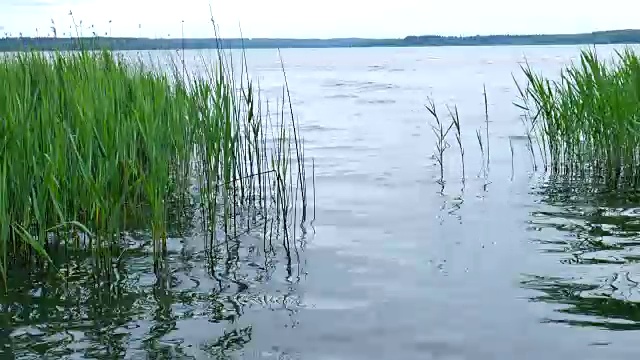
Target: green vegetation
(14,43)
(584,124)
(441,133)
(92,145)
(588,121)
(596,37)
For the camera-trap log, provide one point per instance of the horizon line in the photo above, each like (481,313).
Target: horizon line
(11,36)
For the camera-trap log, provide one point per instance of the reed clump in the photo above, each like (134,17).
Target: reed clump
(588,121)
(441,132)
(93,144)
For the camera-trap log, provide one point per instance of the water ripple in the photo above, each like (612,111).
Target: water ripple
(359,85)
(595,233)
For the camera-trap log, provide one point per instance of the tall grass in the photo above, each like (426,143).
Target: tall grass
(93,144)
(588,121)
(441,132)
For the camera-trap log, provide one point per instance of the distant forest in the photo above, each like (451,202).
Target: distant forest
(119,43)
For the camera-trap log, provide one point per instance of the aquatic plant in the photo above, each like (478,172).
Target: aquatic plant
(93,144)
(455,121)
(484,144)
(486,122)
(440,130)
(587,121)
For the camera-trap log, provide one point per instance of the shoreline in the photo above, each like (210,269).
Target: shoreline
(11,44)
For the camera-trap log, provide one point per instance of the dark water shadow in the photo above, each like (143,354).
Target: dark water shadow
(193,307)
(601,309)
(593,231)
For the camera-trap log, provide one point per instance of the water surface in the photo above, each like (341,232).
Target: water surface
(512,265)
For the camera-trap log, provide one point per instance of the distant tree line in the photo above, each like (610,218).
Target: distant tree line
(603,37)
(120,43)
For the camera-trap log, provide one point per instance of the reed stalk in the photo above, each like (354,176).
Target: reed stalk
(440,130)
(588,120)
(97,144)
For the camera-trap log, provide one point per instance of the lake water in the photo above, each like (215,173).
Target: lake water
(511,265)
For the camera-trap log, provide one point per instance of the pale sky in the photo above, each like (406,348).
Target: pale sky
(318,19)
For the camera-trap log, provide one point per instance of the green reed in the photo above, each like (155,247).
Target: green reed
(93,144)
(589,119)
(440,131)
(455,120)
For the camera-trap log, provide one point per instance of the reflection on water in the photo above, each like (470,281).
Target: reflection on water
(145,314)
(594,229)
(396,266)
(604,306)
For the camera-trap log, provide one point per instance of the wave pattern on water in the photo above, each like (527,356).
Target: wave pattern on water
(400,267)
(594,234)
(141,313)
(360,85)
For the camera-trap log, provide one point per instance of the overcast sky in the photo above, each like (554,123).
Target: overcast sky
(320,19)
